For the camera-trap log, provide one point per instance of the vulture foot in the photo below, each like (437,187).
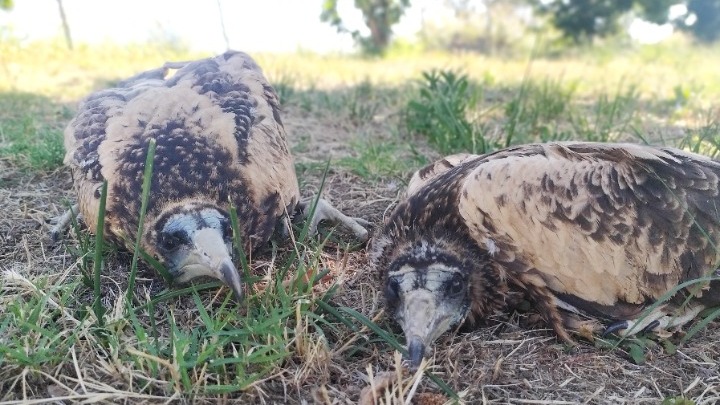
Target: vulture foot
(60,223)
(324,211)
(657,321)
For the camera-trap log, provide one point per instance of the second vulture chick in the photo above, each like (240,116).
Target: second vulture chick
(587,232)
(220,144)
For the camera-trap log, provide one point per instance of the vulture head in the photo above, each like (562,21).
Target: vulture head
(427,291)
(195,240)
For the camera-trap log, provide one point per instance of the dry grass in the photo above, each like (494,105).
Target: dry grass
(52,347)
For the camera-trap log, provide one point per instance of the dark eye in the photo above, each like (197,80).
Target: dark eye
(170,241)
(456,285)
(392,289)
(226,228)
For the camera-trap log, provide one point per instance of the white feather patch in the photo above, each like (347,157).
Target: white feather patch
(564,305)
(491,247)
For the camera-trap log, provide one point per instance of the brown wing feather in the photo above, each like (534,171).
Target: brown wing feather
(435,169)
(219,140)
(608,224)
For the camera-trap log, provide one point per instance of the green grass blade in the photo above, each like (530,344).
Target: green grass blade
(204,316)
(375,328)
(169,294)
(147,178)
(99,235)
(700,325)
(223,389)
(153,325)
(334,312)
(155,264)
(666,297)
(313,206)
(237,241)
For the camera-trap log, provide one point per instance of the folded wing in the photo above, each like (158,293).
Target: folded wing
(607,227)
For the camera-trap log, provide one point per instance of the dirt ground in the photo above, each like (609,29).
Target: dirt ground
(507,361)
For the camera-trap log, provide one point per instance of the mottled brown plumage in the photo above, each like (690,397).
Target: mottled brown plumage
(586,231)
(220,144)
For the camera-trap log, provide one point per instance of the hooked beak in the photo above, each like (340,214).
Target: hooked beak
(416,351)
(228,274)
(210,257)
(423,322)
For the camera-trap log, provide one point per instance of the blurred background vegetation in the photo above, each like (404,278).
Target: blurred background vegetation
(485,26)
(471,75)
(491,25)
(488,25)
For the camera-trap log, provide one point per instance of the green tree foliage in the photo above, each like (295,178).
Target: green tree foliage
(379,16)
(655,10)
(706,27)
(584,20)
(6,4)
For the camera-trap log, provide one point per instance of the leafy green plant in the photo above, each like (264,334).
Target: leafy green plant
(636,347)
(442,111)
(677,401)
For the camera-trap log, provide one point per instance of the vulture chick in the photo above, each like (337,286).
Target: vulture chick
(220,143)
(587,232)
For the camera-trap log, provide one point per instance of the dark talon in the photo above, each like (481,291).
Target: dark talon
(614,327)
(652,325)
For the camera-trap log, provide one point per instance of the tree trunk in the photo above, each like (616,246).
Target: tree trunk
(222,25)
(378,24)
(66,26)
(378,33)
